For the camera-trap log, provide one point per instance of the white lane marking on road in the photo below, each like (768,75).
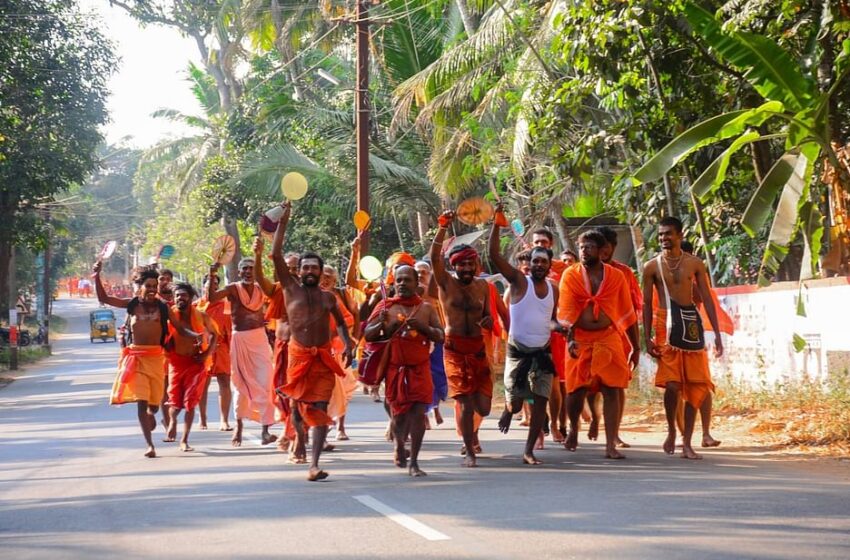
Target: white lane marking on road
(402,519)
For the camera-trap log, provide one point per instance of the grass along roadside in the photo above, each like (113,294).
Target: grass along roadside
(798,415)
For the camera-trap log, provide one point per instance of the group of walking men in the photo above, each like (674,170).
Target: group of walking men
(572,334)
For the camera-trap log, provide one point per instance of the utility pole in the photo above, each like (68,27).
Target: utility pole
(362,112)
(48,293)
(13,312)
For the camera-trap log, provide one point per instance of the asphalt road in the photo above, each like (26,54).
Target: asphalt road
(74,484)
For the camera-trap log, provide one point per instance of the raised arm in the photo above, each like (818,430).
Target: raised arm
(510,273)
(102,296)
(265,284)
(703,288)
(351,270)
(437,266)
(649,285)
(280,267)
(216,295)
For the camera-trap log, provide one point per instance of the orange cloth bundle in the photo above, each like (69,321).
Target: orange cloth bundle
(409,373)
(141,375)
(186,381)
(310,379)
(601,360)
(612,297)
(680,366)
(467,368)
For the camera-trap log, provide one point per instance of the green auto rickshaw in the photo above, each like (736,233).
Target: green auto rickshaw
(102,325)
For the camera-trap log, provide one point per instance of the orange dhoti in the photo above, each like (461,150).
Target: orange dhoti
(345,386)
(601,361)
(408,380)
(251,371)
(141,375)
(681,366)
(186,381)
(467,367)
(310,379)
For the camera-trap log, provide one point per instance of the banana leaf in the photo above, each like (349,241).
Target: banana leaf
(715,173)
(767,67)
(709,131)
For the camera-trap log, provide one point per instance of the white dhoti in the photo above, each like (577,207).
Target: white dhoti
(253,375)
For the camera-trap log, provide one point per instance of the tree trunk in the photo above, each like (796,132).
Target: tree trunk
(470,22)
(230,229)
(215,71)
(5,258)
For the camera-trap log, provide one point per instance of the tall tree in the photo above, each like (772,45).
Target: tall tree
(54,65)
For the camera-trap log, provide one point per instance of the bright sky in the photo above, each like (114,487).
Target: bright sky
(151,75)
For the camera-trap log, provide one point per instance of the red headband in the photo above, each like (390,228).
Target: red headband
(466,254)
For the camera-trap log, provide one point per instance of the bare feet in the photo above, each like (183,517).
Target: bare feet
(530,459)
(539,445)
(670,444)
(525,422)
(316,474)
(236,440)
(268,438)
(169,439)
(171,435)
(571,443)
(341,436)
(612,453)
(621,443)
(689,453)
(283,445)
(463,450)
(328,447)
(151,452)
(415,471)
(224,427)
(185,447)
(438,416)
(470,461)
(203,426)
(427,422)
(557,436)
(295,459)
(708,441)
(400,459)
(593,430)
(505,421)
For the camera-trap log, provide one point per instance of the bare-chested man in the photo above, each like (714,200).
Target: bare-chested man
(529,370)
(187,362)
(594,302)
(410,324)
(166,295)
(466,304)
(311,366)
(679,343)
(250,355)
(141,369)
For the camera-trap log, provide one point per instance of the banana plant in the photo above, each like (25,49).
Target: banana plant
(792,100)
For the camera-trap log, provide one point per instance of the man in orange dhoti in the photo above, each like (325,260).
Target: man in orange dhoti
(188,359)
(594,302)
(219,366)
(410,325)
(311,367)
(346,385)
(466,303)
(141,368)
(679,344)
(636,297)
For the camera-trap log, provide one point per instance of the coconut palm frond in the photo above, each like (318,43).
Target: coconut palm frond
(176,116)
(264,168)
